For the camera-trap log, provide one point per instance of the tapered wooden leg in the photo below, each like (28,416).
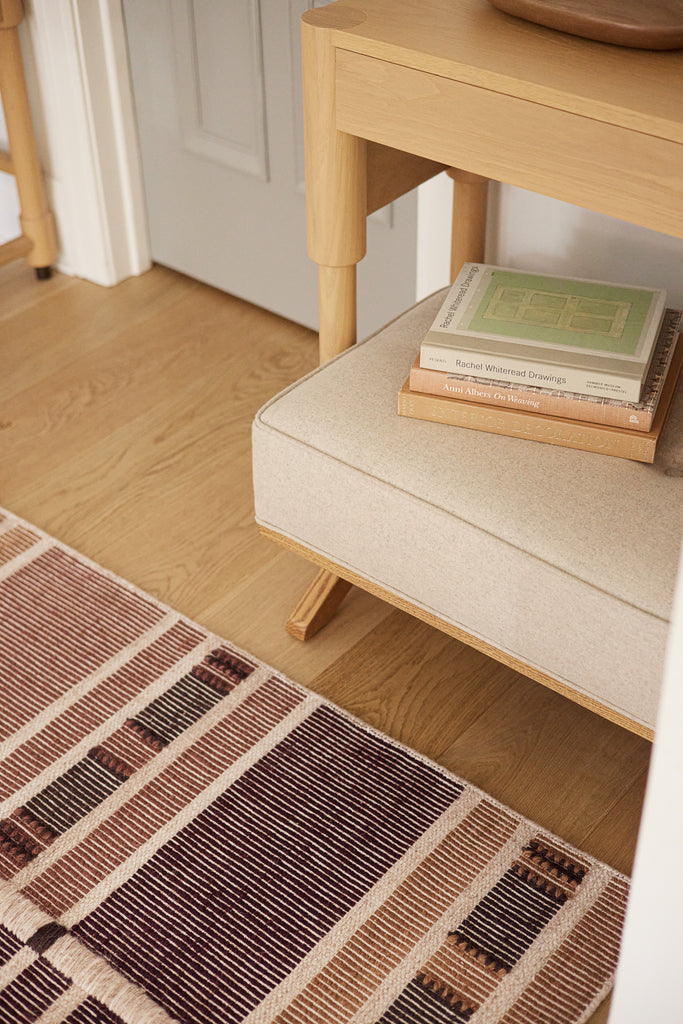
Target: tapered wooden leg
(336,182)
(337,306)
(36,220)
(469,219)
(318,605)
(336,210)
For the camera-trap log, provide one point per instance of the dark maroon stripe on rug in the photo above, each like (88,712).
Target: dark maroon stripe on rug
(69,798)
(59,621)
(45,936)
(31,993)
(505,923)
(178,708)
(222,912)
(9,945)
(420,1005)
(92,1012)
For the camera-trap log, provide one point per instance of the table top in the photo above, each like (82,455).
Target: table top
(472,42)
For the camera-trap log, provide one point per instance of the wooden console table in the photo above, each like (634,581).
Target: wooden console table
(457,83)
(397,90)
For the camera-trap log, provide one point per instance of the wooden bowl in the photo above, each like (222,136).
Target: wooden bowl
(645,24)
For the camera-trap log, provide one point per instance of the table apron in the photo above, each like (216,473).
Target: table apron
(605,167)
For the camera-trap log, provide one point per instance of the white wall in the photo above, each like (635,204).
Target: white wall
(649,985)
(532,232)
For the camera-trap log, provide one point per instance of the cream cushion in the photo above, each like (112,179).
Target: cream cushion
(561,558)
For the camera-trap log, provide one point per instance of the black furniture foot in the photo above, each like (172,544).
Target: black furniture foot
(43,273)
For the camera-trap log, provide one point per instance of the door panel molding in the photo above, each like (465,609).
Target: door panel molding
(221,101)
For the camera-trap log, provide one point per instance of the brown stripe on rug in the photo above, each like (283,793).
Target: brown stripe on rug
(14,541)
(189,837)
(58,621)
(55,734)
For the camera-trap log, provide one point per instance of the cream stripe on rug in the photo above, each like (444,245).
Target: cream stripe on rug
(25,557)
(14,967)
(94,976)
(63,1006)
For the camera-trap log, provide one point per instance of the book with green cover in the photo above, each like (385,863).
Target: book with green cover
(589,337)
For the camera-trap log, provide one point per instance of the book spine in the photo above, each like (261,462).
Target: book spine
(460,360)
(531,426)
(436,382)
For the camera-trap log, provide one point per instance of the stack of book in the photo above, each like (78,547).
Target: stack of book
(581,364)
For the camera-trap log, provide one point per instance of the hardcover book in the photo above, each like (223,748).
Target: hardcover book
(588,408)
(568,334)
(639,445)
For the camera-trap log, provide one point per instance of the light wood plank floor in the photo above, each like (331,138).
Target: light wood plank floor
(125,419)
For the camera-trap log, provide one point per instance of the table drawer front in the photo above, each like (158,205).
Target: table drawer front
(614,170)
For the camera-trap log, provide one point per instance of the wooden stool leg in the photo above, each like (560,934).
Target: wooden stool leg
(469,219)
(318,605)
(36,220)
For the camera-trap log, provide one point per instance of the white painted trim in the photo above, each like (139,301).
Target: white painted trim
(648,984)
(78,76)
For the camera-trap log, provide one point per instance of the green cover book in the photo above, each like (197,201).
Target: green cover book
(584,336)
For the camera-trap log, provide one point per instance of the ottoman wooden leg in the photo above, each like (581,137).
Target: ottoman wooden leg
(318,605)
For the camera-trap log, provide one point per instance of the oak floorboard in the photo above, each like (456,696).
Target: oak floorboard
(611,838)
(18,289)
(72,321)
(134,447)
(553,761)
(125,427)
(416,684)
(256,611)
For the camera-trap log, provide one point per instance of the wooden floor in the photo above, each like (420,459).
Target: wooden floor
(125,418)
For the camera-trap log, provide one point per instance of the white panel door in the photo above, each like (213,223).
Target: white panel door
(217,87)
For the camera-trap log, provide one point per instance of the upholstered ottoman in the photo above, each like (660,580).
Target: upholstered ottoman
(561,561)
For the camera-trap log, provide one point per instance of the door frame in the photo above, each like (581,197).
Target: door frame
(76,61)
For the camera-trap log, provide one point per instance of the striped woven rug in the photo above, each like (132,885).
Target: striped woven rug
(186,835)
